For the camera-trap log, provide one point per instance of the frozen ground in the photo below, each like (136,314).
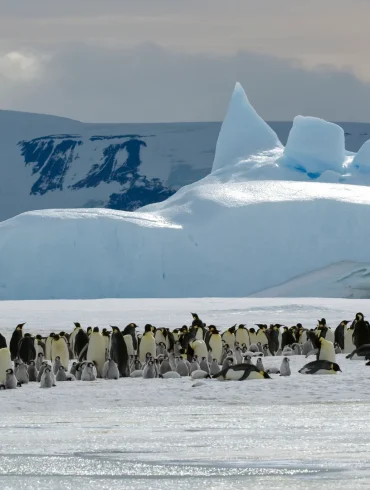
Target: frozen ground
(307,432)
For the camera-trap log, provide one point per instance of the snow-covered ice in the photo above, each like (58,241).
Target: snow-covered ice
(301,431)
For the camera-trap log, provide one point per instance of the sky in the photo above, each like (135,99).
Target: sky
(178,60)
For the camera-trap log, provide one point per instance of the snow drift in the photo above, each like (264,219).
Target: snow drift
(226,235)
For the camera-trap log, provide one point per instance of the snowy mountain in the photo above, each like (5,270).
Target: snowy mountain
(53,162)
(229,234)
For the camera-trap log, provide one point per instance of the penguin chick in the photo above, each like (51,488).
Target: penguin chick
(170,375)
(22,374)
(32,371)
(229,361)
(200,374)
(110,370)
(194,366)
(46,378)
(73,368)
(11,381)
(165,367)
(214,368)
(259,364)
(149,370)
(182,368)
(88,373)
(56,365)
(204,366)
(285,367)
(39,360)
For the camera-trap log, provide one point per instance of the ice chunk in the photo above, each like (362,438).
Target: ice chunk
(243,132)
(361,161)
(314,146)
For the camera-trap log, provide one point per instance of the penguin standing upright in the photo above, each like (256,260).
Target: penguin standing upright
(361,333)
(96,351)
(39,361)
(5,363)
(118,351)
(229,337)
(147,344)
(110,370)
(32,371)
(10,381)
(47,380)
(349,346)
(261,334)
(339,333)
(59,348)
(242,335)
(27,351)
(326,351)
(73,336)
(14,341)
(48,346)
(200,349)
(80,344)
(129,344)
(285,368)
(3,344)
(131,330)
(214,344)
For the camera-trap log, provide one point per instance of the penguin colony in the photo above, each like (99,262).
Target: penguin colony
(198,351)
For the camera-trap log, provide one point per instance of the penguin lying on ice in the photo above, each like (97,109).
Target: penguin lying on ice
(241,372)
(320,367)
(362,352)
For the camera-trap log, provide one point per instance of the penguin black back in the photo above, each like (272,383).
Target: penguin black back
(14,341)
(81,341)
(3,344)
(118,352)
(27,351)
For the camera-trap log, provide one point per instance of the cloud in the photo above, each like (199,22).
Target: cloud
(148,83)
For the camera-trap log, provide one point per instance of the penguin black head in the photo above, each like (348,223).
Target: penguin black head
(148,328)
(56,337)
(31,363)
(57,358)
(359,316)
(62,334)
(335,367)
(195,316)
(38,337)
(61,368)
(52,335)
(77,324)
(96,329)
(9,371)
(47,370)
(252,330)
(27,335)
(20,326)
(299,325)
(40,354)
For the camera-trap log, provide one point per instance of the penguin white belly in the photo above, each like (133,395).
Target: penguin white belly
(147,344)
(329,335)
(215,343)
(48,349)
(325,371)
(229,338)
(261,337)
(59,348)
(96,352)
(5,363)
(253,338)
(200,334)
(254,375)
(38,349)
(242,336)
(200,349)
(327,352)
(129,344)
(159,337)
(232,375)
(348,343)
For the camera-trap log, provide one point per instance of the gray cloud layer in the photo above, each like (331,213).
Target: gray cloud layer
(168,60)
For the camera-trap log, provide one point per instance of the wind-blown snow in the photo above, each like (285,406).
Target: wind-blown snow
(243,132)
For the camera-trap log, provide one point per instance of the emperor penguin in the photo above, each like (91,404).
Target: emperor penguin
(56,364)
(110,370)
(46,379)
(181,367)
(285,368)
(88,372)
(129,344)
(73,336)
(32,371)
(62,375)
(149,370)
(259,364)
(48,346)
(361,332)
(39,346)
(27,351)
(17,335)
(200,374)
(214,344)
(242,335)
(252,336)
(11,382)
(5,363)
(326,351)
(73,368)
(261,335)
(165,366)
(194,365)
(169,375)
(161,336)
(200,349)
(80,344)
(118,352)
(22,374)
(3,344)
(96,351)
(349,345)
(340,333)
(362,352)
(204,366)
(320,367)
(229,336)
(241,372)
(214,367)
(147,344)
(39,360)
